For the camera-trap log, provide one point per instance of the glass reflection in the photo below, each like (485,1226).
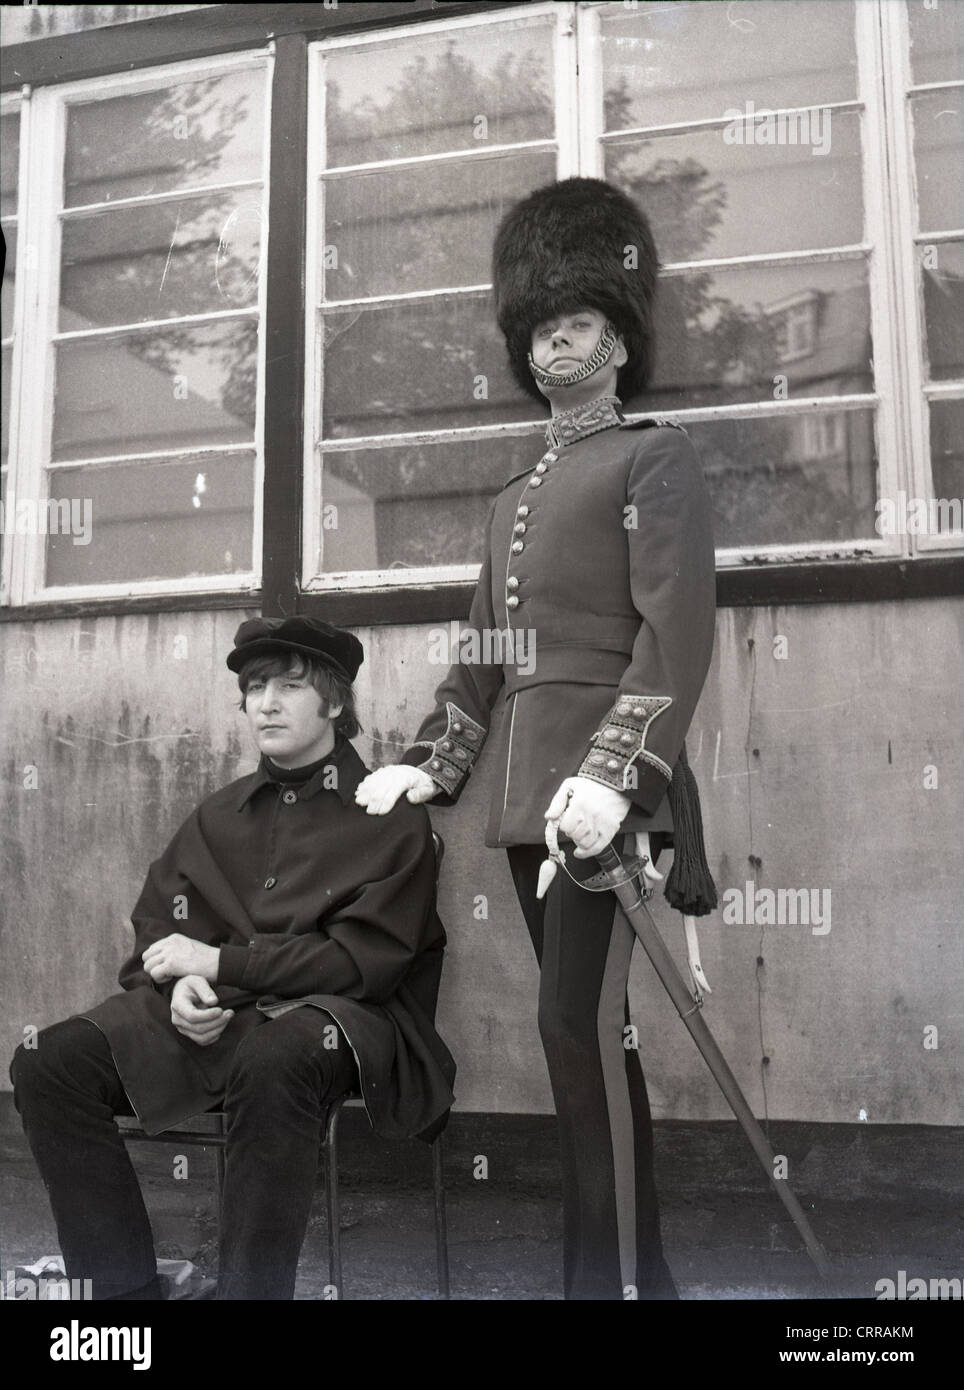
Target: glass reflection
(432,93)
(156,520)
(165,260)
(176,137)
(163,389)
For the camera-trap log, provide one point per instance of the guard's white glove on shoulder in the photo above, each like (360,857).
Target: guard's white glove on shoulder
(380,790)
(592,816)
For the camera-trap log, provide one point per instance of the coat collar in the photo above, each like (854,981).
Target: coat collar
(349,770)
(582,420)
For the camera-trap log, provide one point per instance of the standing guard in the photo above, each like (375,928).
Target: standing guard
(601,554)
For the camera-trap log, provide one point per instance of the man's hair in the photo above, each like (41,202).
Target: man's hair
(333,689)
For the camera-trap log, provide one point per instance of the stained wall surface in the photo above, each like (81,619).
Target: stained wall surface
(828,761)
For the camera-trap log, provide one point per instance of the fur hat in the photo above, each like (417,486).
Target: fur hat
(573,244)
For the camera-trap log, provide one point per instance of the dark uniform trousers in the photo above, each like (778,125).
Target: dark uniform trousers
(282,1081)
(584,943)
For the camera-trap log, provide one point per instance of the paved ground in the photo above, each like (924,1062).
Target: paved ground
(881,1200)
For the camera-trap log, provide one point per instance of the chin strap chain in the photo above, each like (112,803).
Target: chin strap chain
(599,356)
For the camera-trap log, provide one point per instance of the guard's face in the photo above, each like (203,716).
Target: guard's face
(284,714)
(562,344)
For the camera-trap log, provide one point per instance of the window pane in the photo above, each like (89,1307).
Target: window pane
(939,151)
(423,505)
(430,93)
(706,198)
(43,21)
(9,275)
(139,392)
(422,227)
(947,455)
(9,162)
(729,336)
(175,137)
(161,261)
(664,63)
(944,310)
(437,365)
(153,521)
(936,41)
(793,479)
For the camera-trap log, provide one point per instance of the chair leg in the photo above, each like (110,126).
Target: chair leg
(331,1198)
(441,1234)
(219,1158)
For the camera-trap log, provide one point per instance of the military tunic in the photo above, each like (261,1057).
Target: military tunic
(599,574)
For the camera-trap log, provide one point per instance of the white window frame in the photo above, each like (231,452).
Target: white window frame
(908,241)
(869,104)
(565,142)
(36,313)
(19,102)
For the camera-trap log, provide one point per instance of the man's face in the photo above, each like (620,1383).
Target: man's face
(561,345)
(284,714)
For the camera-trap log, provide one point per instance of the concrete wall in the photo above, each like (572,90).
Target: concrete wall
(815,765)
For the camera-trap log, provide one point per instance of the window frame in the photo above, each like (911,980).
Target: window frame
(38,284)
(224,29)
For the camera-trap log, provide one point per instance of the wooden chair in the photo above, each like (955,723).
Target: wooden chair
(208,1130)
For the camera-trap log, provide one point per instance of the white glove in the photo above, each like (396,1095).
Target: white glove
(380,790)
(593,815)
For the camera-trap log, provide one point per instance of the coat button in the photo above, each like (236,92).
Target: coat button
(289,798)
(626,739)
(447,745)
(598,758)
(456,728)
(623,707)
(436,763)
(541,467)
(520,528)
(612,732)
(270,882)
(612,765)
(549,458)
(535,482)
(512,583)
(470,736)
(638,711)
(523,511)
(518,547)
(512,601)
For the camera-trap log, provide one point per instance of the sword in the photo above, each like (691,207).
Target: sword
(622,879)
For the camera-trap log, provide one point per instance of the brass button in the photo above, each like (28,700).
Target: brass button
(512,601)
(612,732)
(520,528)
(447,746)
(541,467)
(626,739)
(623,707)
(518,547)
(549,458)
(638,711)
(456,728)
(512,582)
(289,798)
(612,765)
(436,763)
(270,882)
(523,511)
(535,482)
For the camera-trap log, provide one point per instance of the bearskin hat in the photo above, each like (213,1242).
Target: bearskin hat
(576,243)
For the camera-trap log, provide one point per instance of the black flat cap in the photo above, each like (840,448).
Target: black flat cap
(337,648)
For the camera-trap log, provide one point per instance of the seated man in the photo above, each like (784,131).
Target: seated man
(286,945)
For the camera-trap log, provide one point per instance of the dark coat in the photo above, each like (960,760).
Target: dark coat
(312,902)
(604,551)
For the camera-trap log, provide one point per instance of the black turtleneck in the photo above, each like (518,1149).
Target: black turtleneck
(295,776)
